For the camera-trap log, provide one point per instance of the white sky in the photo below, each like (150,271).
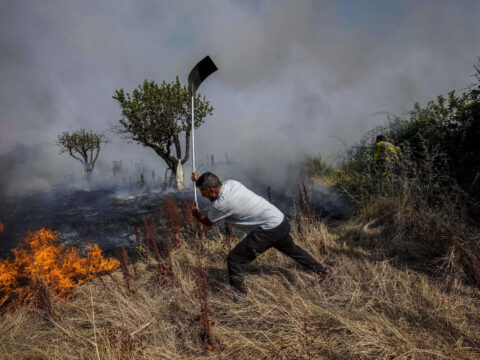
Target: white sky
(293,75)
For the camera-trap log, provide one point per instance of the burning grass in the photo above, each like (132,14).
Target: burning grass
(41,262)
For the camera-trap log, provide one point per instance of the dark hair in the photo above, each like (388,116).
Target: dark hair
(380,138)
(208,180)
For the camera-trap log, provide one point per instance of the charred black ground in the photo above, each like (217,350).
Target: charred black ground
(107,216)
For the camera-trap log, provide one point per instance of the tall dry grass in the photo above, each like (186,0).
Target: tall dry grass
(424,230)
(415,215)
(370,309)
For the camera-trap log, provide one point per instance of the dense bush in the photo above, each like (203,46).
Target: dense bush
(450,127)
(439,143)
(425,211)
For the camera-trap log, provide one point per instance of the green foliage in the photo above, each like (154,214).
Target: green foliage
(83,146)
(439,143)
(80,141)
(450,127)
(155,116)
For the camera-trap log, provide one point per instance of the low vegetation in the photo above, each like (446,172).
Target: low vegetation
(174,302)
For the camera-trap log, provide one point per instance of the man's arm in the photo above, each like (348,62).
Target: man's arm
(201,217)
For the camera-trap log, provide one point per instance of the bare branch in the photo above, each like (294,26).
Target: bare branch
(71,154)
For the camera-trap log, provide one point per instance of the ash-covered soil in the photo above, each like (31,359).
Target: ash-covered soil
(104,216)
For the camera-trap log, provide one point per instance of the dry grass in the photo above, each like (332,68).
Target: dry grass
(426,230)
(370,309)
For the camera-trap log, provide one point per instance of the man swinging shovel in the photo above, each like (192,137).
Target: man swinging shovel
(265,224)
(233,202)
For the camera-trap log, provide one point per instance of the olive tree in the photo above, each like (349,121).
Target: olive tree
(83,146)
(159,117)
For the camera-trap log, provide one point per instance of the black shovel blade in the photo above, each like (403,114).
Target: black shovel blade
(200,72)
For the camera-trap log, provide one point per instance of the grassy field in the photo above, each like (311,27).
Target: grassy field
(375,306)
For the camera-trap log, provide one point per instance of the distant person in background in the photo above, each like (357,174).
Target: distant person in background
(266,226)
(386,156)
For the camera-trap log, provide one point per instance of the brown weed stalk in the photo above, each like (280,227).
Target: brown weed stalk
(146,240)
(305,206)
(127,277)
(173,220)
(137,237)
(164,261)
(160,253)
(205,316)
(188,218)
(42,298)
(198,229)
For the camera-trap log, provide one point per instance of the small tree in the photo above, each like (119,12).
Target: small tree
(159,117)
(83,146)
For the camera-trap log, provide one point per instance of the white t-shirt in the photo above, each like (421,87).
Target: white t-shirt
(243,208)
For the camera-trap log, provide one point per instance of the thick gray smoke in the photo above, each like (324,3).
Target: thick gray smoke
(292,76)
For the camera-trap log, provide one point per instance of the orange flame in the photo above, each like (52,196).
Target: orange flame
(42,256)
(2,227)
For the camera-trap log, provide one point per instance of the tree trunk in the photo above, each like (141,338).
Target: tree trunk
(179,176)
(176,176)
(88,171)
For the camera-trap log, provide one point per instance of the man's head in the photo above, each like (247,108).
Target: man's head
(380,138)
(209,185)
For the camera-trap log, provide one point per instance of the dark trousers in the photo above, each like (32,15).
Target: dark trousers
(258,241)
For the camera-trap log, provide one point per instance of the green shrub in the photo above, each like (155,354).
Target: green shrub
(438,141)
(451,128)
